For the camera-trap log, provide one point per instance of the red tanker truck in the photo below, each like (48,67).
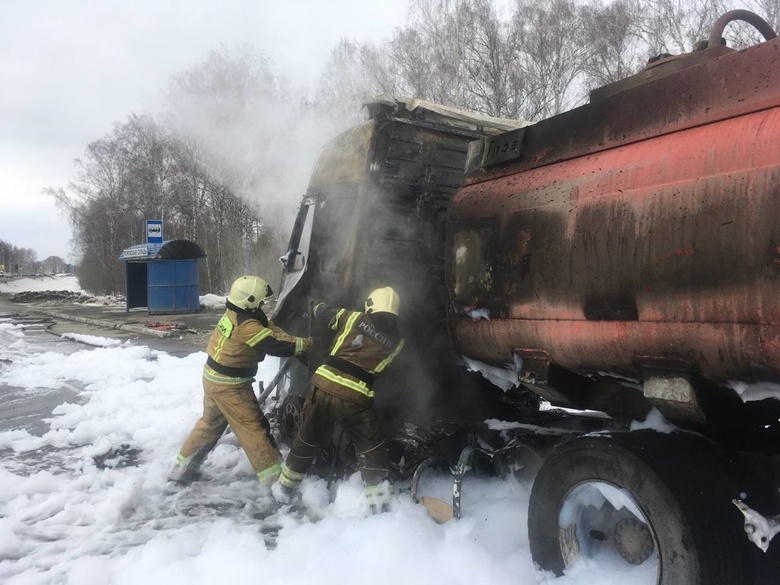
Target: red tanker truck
(593,300)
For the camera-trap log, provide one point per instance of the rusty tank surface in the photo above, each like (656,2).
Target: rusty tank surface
(627,253)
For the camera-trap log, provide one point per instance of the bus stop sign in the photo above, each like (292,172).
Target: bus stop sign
(154,231)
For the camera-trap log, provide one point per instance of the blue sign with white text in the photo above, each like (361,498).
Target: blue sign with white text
(154,231)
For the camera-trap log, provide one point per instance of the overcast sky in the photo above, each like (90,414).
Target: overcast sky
(69,70)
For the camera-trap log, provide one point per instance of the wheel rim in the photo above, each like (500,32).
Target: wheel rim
(603,523)
(290,419)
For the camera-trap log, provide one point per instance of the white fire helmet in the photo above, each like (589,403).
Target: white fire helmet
(383,300)
(249,292)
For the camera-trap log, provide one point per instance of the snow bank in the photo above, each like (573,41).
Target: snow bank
(66,282)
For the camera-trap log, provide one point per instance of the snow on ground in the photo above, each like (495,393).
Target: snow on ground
(87,503)
(80,516)
(93,340)
(69,282)
(40,283)
(211,301)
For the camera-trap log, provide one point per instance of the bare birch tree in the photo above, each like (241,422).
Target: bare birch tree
(549,36)
(491,82)
(615,49)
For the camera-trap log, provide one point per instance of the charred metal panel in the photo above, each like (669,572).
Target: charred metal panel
(382,197)
(345,161)
(452,157)
(401,164)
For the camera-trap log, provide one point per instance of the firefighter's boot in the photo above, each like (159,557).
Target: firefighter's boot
(378,497)
(285,495)
(184,470)
(285,491)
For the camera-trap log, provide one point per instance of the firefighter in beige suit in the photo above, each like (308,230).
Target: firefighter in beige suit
(241,339)
(341,391)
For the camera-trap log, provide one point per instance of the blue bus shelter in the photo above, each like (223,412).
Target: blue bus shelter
(163,277)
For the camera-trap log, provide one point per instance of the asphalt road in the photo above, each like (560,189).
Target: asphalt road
(45,325)
(18,409)
(175,333)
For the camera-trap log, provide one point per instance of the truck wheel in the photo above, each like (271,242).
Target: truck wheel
(655,506)
(290,418)
(292,388)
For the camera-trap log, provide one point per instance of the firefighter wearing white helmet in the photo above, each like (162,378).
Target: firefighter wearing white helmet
(341,390)
(383,300)
(249,293)
(242,338)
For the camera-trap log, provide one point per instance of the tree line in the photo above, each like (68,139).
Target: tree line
(226,163)
(143,170)
(531,60)
(15,260)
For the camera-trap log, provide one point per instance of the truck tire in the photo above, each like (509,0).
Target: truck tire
(290,419)
(292,389)
(657,504)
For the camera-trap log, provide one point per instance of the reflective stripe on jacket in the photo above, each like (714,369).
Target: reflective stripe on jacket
(240,341)
(359,342)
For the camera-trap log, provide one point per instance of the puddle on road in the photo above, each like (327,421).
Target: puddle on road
(28,409)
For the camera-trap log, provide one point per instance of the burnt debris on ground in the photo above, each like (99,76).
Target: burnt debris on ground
(37,296)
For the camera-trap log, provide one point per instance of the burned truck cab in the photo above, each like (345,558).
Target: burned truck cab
(374,215)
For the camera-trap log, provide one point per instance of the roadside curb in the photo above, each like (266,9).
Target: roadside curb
(107,324)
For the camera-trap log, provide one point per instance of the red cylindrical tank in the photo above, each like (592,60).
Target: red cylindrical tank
(645,225)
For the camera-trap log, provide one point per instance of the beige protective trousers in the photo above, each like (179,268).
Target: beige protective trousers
(235,406)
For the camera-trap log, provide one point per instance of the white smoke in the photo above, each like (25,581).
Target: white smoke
(255,132)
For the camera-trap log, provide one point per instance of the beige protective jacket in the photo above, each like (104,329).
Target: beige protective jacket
(241,340)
